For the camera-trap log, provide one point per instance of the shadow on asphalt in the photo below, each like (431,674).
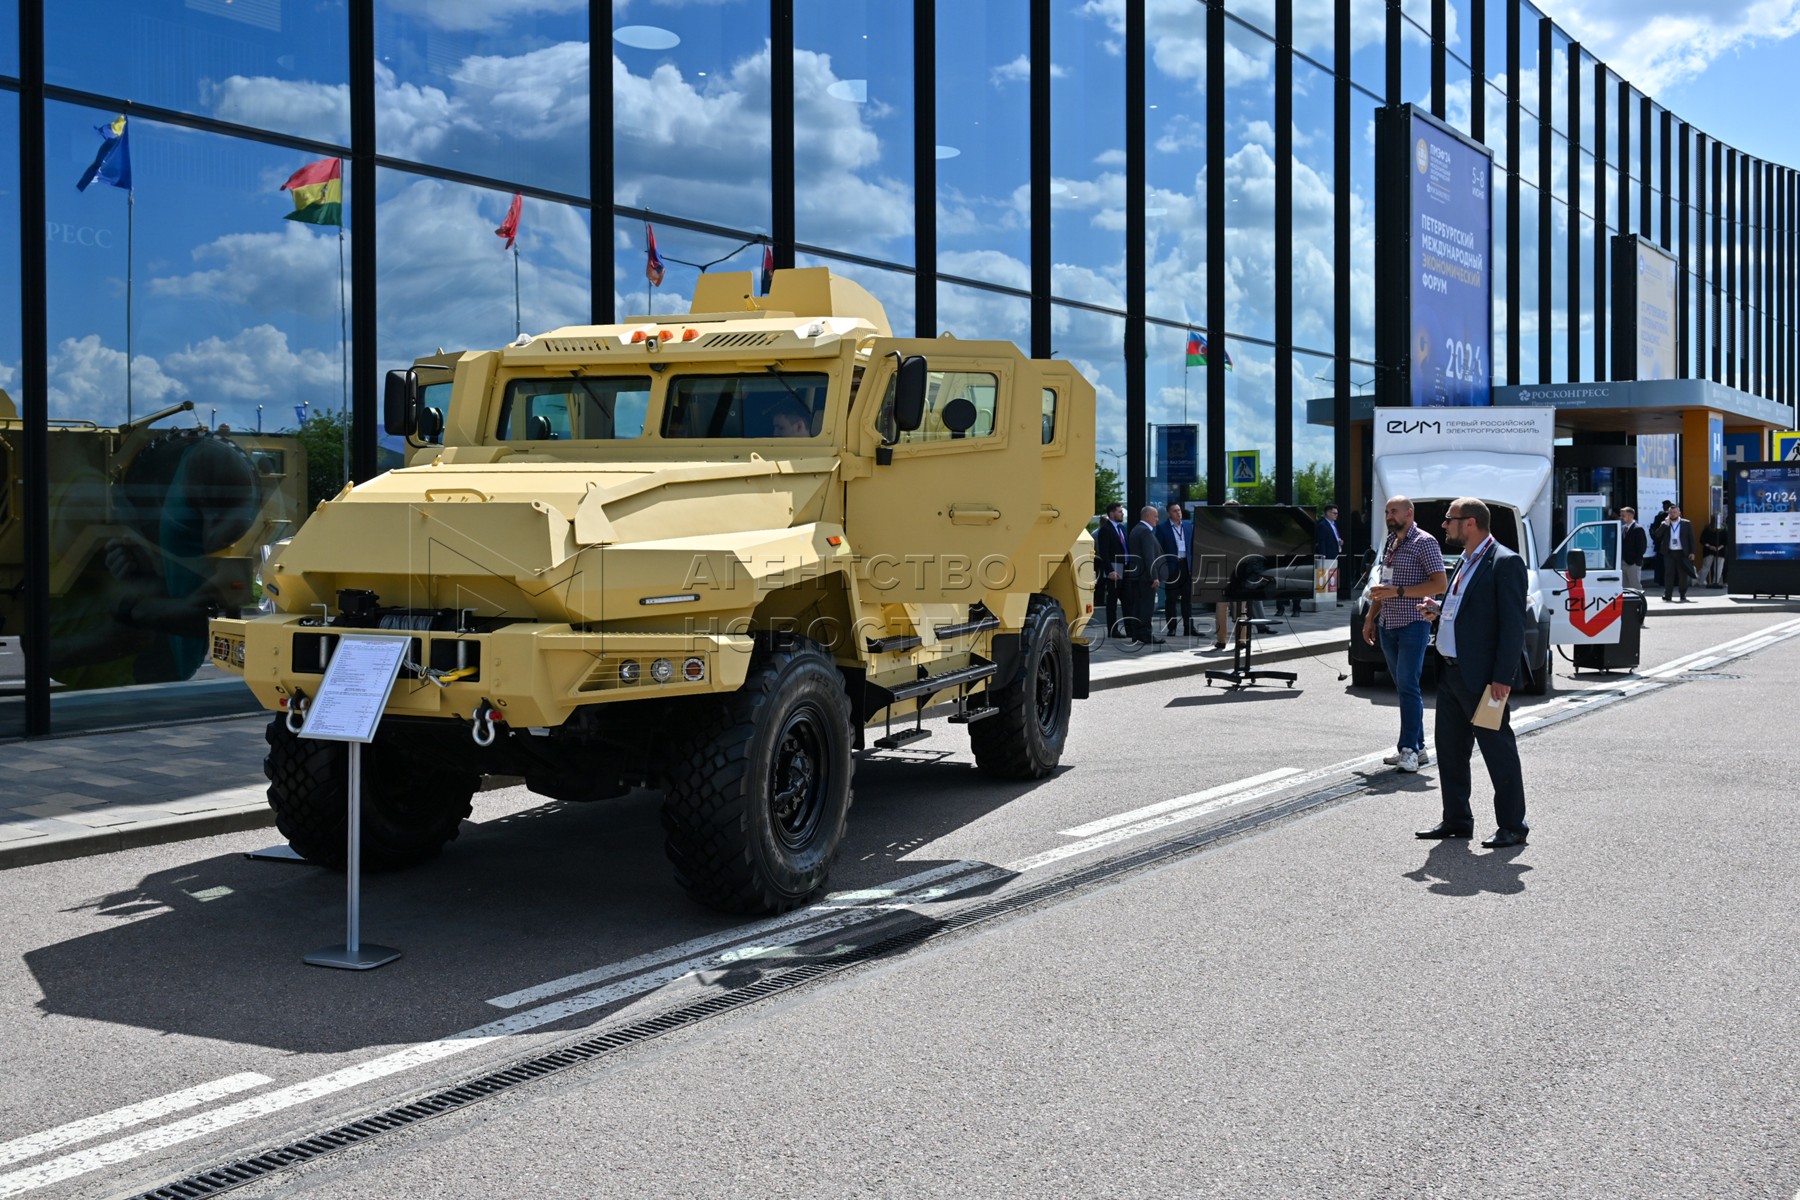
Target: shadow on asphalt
(1243,695)
(1454,867)
(212,948)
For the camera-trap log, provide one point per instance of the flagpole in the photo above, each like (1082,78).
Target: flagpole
(518,325)
(130,235)
(344,352)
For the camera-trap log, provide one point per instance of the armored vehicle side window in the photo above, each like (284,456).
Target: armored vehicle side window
(977,389)
(577,409)
(1049,415)
(761,405)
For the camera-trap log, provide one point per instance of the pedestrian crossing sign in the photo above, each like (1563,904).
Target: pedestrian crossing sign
(1245,467)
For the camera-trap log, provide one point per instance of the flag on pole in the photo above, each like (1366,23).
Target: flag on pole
(318,190)
(653,263)
(509,228)
(768,268)
(1196,351)
(112,162)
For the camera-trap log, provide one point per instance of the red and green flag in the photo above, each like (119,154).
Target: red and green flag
(1196,351)
(509,228)
(318,190)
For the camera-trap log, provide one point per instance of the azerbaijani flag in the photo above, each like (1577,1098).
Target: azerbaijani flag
(318,193)
(1196,351)
(112,162)
(653,263)
(509,228)
(768,268)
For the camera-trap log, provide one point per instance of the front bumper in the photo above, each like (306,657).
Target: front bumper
(535,674)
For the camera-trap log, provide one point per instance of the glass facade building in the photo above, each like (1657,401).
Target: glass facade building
(1095,181)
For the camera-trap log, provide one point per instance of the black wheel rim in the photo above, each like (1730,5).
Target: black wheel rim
(1049,695)
(799,777)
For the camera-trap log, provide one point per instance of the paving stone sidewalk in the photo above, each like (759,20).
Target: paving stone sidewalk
(66,797)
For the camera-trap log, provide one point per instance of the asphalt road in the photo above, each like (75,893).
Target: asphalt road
(1325,1006)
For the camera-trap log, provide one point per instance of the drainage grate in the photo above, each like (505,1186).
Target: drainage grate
(1706,677)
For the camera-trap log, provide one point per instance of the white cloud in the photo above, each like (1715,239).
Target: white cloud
(1656,44)
(295,269)
(87,382)
(253,365)
(480,16)
(1019,71)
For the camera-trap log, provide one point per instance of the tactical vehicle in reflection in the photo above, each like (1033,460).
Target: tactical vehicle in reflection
(153,530)
(701,553)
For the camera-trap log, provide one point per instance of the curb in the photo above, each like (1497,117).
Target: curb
(1196,666)
(129,837)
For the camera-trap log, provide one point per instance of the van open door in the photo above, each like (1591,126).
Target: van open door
(1584,579)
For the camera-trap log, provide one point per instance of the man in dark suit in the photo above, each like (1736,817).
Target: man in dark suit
(1176,536)
(1141,583)
(1328,543)
(1636,544)
(1481,639)
(1109,562)
(1675,547)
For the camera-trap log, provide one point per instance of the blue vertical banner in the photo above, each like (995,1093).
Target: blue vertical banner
(1178,452)
(1451,242)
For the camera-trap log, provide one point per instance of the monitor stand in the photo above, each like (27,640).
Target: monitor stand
(1241,674)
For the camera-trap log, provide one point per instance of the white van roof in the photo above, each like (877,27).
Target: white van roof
(1511,479)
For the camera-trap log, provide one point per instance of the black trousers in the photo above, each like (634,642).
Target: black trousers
(1178,596)
(1107,593)
(1140,603)
(1457,736)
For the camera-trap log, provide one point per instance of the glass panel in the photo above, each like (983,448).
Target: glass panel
(691,109)
(1258,14)
(1315,28)
(895,290)
(1494,114)
(853,126)
(984,141)
(1494,15)
(1313,487)
(1094,344)
(1559,294)
(1250,183)
(1175,164)
(1362,228)
(1497,275)
(1368,44)
(1415,59)
(1559,81)
(958,404)
(1250,416)
(1586,167)
(12,493)
(1587,300)
(1457,37)
(1531,314)
(1558,182)
(968,312)
(1529,166)
(237,313)
(1588,66)
(9,65)
(273,65)
(581,409)
(1087,153)
(1315,269)
(681,251)
(787,404)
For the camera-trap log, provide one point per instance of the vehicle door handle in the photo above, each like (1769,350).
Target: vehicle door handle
(973,514)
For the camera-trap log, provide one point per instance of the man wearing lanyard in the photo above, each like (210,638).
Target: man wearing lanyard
(1412,568)
(1481,638)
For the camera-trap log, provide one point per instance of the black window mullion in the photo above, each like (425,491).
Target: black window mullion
(925,141)
(1648,130)
(1601,243)
(601,175)
(1546,212)
(364,356)
(34,367)
(1667,133)
(782,227)
(1342,261)
(1767,286)
(1684,302)
(1284,251)
(1573,121)
(1042,260)
(1514,267)
(1136,130)
(1478,68)
(1215,250)
(1396,78)
(1623,219)
(1717,278)
(1440,66)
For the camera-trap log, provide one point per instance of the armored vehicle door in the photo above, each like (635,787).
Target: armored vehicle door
(950,512)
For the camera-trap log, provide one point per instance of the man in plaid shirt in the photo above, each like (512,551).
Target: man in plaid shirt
(1412,568)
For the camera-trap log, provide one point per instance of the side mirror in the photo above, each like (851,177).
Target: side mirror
(431,424)
(909,394)
(400,403)
(1577,565)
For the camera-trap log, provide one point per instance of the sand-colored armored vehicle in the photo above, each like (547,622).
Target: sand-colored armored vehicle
(713,554)
(153,531)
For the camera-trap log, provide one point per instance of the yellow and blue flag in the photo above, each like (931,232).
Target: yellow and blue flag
(112,162)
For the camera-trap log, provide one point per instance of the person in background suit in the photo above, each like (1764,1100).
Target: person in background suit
(1141,583)
(1636,541)
(1712,547)
(1109,563)
(1176,536)
(1675,550)
(1655,557)
(1481,639)
(1328,543)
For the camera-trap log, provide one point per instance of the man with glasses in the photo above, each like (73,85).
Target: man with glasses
(1411,568)
(1481,638)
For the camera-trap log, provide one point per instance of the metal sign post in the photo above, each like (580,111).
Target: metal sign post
(348,709)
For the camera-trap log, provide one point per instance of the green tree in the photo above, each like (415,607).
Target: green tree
(323,436)
(1313,488)
(1109,488)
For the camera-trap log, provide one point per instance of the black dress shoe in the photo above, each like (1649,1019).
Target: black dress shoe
(1443,829)
(1504,838)
(1159,641)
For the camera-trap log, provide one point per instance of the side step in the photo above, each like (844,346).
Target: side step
(970,715)
(932,684)
(894,741)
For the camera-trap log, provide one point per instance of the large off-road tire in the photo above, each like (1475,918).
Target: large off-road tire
(410,806)
(1025,739)
(1542,681)
(754,807)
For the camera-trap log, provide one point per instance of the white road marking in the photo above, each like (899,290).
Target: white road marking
(35,1144)
(835,902)
(422,1053)
(1193,798)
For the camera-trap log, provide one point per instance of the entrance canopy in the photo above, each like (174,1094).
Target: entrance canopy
(1639,406)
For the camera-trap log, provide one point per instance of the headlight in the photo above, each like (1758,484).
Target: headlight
(662,670)
(629,671)
(693,669)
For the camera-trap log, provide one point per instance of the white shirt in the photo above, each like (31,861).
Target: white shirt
(1446,637)
(1675,535)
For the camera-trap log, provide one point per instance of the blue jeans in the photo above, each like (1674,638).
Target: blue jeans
(1404,649)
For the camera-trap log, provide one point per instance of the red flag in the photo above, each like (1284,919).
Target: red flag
(653,263)
(768,271)
(509,228)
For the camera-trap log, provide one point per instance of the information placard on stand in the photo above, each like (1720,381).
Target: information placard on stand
(348,708)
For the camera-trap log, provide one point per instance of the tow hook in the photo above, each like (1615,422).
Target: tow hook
(296,712)
(485,717)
